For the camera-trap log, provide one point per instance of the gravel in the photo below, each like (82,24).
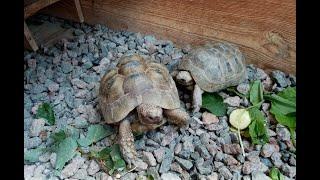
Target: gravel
(206,149)
(149,158)
(36,127)
(186,164)
(93,167)
(170,176)
(70,169)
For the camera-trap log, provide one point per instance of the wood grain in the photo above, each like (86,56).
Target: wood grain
(33,6)
(29,41)
(265,30)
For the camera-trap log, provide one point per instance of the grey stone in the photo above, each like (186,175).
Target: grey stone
(232,149)
(45,157)
(213,176)
(36,127)
(129,176)
(249,167)
(224,171)
(259,176)
(266,162)
(79,83)
(195,156)
(94,116)
(177,148)
(66,67)
(37,89)
(204,169)
(53,158)
(29,171)
(218,164)
(159,154)
(253,156)
(70,169)
(288,170)
(280,78)
(282,133)
(268,149)
(93,167)
(166,161)
(148,158)
(233,101)
(170,176)
(276,159)
(141,166)
(80,122)
(80,174)
(230,160)
(30,143)
(243,88)
(166,140)
(219,156)
(203,151)
(186,164)
(292,160)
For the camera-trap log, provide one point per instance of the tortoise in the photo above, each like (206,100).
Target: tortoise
(135,95)
(211,68)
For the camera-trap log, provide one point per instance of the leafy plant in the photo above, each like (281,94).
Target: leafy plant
(213,102)
(95,134)
(45,111)
(111,158)
(66,150)
(256,93)
(32,155)
(283,107)
(257,129)
(275,174)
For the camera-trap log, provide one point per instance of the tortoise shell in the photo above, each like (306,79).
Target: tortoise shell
(136,80)
(215,66)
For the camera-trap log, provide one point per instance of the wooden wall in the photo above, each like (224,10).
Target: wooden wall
(264,29)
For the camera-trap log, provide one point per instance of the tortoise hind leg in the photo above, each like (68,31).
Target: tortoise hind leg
(177,116)
(197,98)
(126,142)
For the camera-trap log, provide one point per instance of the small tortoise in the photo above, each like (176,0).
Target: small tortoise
(211,68)
(136,94)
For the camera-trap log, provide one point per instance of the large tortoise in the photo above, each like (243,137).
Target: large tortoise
(136,94)
(211,68)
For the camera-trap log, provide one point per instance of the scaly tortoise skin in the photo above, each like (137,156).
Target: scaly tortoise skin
(135,95)
(212,67)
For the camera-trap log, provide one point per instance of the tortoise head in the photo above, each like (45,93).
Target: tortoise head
(150,114)
(184,78)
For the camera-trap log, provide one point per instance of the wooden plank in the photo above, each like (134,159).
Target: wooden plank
(47,34)
(265,30)
(79,10)
(28,37)
(31,7)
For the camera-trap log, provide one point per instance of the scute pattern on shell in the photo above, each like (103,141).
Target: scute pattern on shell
(136,80)
(215,66)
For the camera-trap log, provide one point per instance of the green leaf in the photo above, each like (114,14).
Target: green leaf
(214,103)
(280,104)
(289,93)
(286,120)
(150,177)
(275,174)
(283,107)
(32,155)
(256,93)
(45,111)
(58,136)
(66,150)
(257,128)
(111,157)
(95,134)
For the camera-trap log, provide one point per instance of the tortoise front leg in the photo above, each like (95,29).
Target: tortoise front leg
(197,98)
(177,116)
(126,142)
